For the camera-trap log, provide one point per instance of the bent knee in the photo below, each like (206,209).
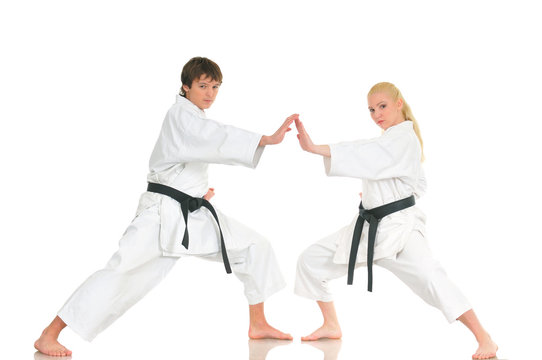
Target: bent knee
(428,277)
(306,258)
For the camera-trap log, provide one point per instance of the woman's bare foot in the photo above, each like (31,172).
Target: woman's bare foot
(327,331)
(48,342)
(331,328)
(487,349)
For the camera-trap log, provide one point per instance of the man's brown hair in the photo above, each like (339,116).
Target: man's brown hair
(196,67)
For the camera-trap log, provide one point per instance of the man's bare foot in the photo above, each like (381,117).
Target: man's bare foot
(40,356)
(266,331)
(48,344)
(487,349)
(259,328)
(327,331)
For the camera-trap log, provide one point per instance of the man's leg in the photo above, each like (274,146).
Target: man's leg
(129,275)
(259,328)
(256,266)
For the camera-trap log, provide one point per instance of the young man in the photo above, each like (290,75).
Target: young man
(175,219)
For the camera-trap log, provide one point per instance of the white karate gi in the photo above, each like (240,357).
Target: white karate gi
(151,245)
(391,170)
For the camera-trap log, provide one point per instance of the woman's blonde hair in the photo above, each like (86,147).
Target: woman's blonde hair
(395,94)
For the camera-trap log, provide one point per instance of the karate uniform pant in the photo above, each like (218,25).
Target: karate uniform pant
(138,266)
(414,265)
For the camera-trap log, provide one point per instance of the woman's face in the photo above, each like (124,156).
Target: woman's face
(384,111)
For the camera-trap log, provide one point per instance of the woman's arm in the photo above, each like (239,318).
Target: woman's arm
(306,143)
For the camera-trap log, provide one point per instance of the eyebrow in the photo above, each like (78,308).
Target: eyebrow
(383,101)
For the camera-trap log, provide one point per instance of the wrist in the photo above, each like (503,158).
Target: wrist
(322,150)
(264,140)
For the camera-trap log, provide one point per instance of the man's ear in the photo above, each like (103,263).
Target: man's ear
(186,89)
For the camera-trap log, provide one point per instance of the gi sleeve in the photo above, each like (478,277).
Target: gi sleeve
(186,137)
(381,158)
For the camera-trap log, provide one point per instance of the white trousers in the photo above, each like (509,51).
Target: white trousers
(138,266)
(414,265)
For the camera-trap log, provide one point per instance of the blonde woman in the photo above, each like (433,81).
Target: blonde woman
(389,230)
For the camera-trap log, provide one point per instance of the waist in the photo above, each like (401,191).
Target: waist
(372,200)
(386,209)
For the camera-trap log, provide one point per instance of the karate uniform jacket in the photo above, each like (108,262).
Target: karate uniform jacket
(187,144)
(390,169)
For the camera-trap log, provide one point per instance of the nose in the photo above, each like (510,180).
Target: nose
(211,93)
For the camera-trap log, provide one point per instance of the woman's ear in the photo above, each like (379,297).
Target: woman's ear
(400,104)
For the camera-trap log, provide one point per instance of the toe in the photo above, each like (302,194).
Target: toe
(285,336)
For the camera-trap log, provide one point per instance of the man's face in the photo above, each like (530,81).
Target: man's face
(203,91)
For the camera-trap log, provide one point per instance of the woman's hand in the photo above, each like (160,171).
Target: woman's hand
(210,194)
(306,143)
(278,136)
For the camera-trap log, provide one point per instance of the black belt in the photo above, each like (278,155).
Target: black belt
(373,217)
(188,205)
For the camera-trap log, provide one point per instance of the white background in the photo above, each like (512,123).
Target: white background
(84,88)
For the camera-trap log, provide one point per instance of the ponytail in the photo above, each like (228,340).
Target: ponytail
(395,94)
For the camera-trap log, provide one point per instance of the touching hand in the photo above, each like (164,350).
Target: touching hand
(278,136)
(304,139)
(306,143)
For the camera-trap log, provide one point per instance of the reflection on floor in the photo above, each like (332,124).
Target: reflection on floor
(330,347)
(258,349)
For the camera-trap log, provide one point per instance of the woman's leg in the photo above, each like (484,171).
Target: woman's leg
(418,269)
(486,347)
(315,268)
(331,328)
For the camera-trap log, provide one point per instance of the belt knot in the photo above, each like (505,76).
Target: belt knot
(194,204)
(373,217)
(188,205)
(365,214)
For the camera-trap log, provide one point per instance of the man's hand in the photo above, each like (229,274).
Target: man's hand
(210,194)
(278,136)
